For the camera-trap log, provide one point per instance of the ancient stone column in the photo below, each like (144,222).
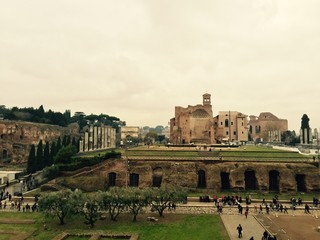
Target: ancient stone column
(310,136)
(86,141)
(103,137)
(108,136)
(81,145)
(91,138)
(113,137)
(95,137)
(99,138)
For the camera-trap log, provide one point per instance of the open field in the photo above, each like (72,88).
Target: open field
(247,153)
(242,153)
(172,226)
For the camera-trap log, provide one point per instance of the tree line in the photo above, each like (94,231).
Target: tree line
(44,155)
(39,115)
(65,203)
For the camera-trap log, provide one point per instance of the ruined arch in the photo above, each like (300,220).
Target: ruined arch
(4,154)
(250,180)
(225,180)
(157,177)
(301,183)
(134,180)
(112,177)
(202,179)
(274,179)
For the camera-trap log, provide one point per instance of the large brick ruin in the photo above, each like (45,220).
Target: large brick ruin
(214,175)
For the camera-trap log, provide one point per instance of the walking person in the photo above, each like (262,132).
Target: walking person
(285,209)
(240,230)
(265,235)
(246,212)
(307,209)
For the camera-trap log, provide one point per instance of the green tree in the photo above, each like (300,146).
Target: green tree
(64,154)
(161,138)
(135,200)
(74,142)
(58,145)
(40,111)
(39,157)
(64,141)
(305,121)
(305,129)
(46,155)
(113,201)
(150,138)
(91,203)
(289,138)
(160,198)
(68,140)
(60,204)
(53,151)
(31,164)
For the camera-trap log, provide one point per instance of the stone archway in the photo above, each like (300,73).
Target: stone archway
(134,180)
(250,180)
(274,178)
(157,177)
(202,179)
(4,154)
(301,184)
(225,180)
(112,179)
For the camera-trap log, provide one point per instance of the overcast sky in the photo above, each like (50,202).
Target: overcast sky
(138,59)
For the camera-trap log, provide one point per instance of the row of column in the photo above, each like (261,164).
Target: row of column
(98,138)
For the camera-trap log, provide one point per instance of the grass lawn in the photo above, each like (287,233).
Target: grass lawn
(256,153)
(172,226)
(249,152)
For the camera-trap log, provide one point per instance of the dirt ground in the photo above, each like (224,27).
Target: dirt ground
(288,227)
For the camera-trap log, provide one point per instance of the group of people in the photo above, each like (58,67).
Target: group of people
(5,195)
(265,236)
(171,206)
(19,204)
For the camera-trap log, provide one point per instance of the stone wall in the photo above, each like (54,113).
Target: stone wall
(282,177)
(16,138)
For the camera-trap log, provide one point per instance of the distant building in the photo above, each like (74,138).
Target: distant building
(230,126)
(131,131)
(166,132)
(193,124)
(267,127)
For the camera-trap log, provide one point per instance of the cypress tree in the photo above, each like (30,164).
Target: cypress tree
(31,164)
(64,141)
(74,142)
(39,157)
(58,145)
(46,155)
(68,141)
(53,151)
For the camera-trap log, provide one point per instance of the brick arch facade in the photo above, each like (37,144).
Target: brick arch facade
(185,174)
